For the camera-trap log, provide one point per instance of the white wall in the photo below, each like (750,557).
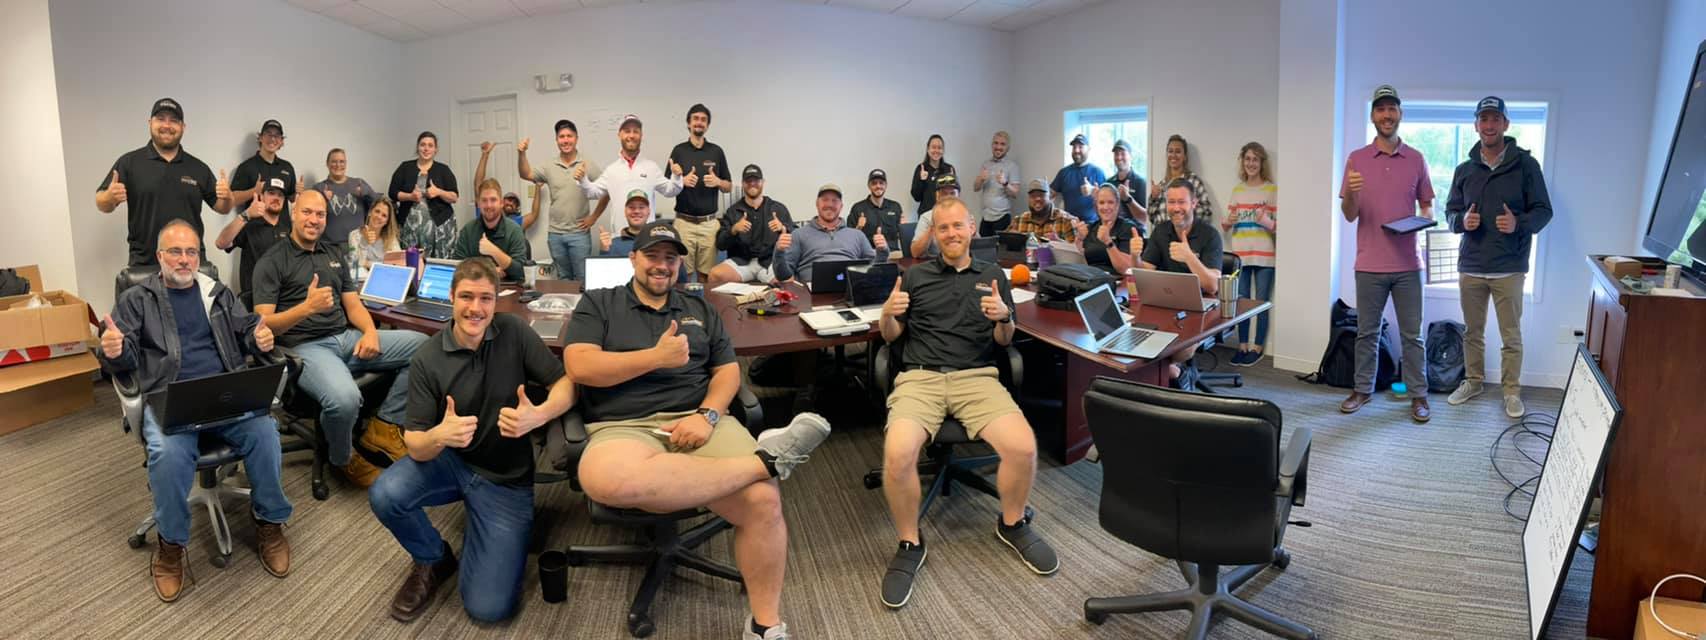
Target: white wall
(1684,28)
(231,64)
(36,214)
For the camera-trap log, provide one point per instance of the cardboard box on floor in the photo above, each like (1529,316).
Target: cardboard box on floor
(32,334)
(35,392)
(1682,614)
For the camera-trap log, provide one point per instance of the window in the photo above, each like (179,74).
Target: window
(1102,127)
(1444,131)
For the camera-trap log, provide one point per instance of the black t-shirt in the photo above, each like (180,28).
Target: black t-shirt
(759,242)
(158,192)
(482,381)
(255,238)
(1096,253)
(1203,239)
(198,355)
(255,169)
(282,277)
(886,217)
(616,320)
(700,200)
(945,326)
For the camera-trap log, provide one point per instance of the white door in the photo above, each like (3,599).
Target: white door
(492,120)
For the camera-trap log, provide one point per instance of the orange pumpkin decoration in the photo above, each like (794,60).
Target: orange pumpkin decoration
(1021,275)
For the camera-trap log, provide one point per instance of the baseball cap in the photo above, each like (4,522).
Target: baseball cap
(565,123)
(947,181)
(1491,103)
(637,193)
(829,186)
(1038,184)
(512,196)
(1386,91)
(166,104)
(752,172)
(1121,145)
(877,174)
(273,184)
(655,233)
(630,118)
(272,124)
(1079,139)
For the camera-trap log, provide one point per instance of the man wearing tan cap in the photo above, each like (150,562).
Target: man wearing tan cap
(629,171)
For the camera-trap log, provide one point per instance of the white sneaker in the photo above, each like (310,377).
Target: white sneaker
(791,444)
(778,632)
(1464,392)
(1513,406)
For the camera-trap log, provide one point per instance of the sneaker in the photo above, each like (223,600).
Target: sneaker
(1464,392)
(170,571)
(778,632)
(789,446)
(903,569)
(385,438)
(1246,358)
(1022,539)
(359,471)
(1513,406)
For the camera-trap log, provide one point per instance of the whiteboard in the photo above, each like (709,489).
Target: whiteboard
(1587,421)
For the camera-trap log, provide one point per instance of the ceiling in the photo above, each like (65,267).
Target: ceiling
(406,20)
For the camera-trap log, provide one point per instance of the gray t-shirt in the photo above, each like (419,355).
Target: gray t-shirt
(996,203)
(346,206)
(568,202)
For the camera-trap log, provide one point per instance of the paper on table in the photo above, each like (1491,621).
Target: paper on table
(1672,292)
(737,288)
(1022,296)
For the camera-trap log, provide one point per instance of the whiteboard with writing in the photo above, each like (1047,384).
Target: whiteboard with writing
(1587,421)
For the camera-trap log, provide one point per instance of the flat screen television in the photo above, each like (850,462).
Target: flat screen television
(1677,229)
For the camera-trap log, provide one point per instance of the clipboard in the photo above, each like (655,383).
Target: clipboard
(1409,224)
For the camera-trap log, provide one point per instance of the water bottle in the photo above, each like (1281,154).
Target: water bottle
(412,258)
(1031,251)
(352,257)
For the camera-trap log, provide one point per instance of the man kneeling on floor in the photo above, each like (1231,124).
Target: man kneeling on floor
(948,368)
(466,430)
(180,325)
(658,371)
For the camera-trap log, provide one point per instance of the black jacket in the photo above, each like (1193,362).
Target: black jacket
(759,242)
(152,355)
(403,181)
(1515,183)
(924,191)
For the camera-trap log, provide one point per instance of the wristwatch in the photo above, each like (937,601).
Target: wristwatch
(710,414)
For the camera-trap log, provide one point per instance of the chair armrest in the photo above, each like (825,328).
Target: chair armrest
(1015,367)
(883,369)
(1294,468)
(752,412)
(571,425)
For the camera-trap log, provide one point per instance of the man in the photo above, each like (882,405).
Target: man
(637,210)
(1076,183)
(1042,219)
(706,177)
(161,182)
(1492,259)
(511,200)
(177,325)
(255,232)
(1129,183)
(924,242)
(998,181)
(824,237)
(749,232)
(1384,182)
(570,236)
(948,369)
(658,371)
(303,293)
(876,214)
(492,235)
(469,418)
(250,177)
(1188,245)
(629,171)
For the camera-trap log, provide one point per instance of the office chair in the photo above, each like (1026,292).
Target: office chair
(134,275)
(1199,479)
(665,547)
(1206,382)
(939,460)
(299,413)
(907,230)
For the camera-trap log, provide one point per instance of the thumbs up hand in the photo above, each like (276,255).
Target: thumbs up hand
(1353,181)
(521,147)
(861,224)
(923,173)
(994,308)
(485,148)
(784,241)
(263,337)
(115,189)
(1156,189)
(1506,222)
(776,223)
(580,170)
(878,241)
(603,240)
(221,187)
(675,169)
(898,302)
(112,340)
(455,430)
(301,186)
(523,417)
(671,350)
(1086,188)
(1181,252)
(742,225)
(691,179)
(712,180)
(433,191)
(1472,219)
(1080,230)
(319,298)
(256,209)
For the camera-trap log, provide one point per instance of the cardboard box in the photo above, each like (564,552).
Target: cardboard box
(40,333)
(40,391)
(1681,614)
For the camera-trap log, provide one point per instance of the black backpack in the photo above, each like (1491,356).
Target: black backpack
(1445,355)
(12,284)
(1338,363)
(1059,284)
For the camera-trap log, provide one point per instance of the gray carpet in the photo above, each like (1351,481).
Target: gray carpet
(1409,541)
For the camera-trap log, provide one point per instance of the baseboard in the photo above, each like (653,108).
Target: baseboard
(1298,365)
(1529,379)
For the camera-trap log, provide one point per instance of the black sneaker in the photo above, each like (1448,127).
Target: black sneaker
(1031,548)
(903,569)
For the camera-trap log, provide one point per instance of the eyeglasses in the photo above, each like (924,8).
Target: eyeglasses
(176,252)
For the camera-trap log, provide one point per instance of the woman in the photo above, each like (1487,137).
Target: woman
(1109,242)
(1250,226)
(347,199)
(1178,166)
(424,189)
(376,236)
(924,178)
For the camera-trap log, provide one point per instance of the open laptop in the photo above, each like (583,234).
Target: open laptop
(985,249)
(432,296)
(607,273)
(1172,290)
(192,405)
(387,284)
(1012,240)
(1101,314)
(830,276)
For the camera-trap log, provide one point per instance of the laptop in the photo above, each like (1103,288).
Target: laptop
(830,276)
(1101,314)
(1012,240)
(985,249)
(1171,290)
(432,296)
(607,273)
(1066,252)
(387,284)
(221,399)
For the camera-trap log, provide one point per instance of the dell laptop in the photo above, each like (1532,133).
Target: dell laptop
(830,276)
(432,296)
(1101,314)
(985,249)
(214,401)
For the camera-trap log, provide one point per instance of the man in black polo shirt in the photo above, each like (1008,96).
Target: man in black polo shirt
(492,235)
(704,174)
(963,316)
(255,232)
(1198,253)
(161,182)
(877,214)
(303,293)
(467,432)
(657,372)
(250,177)
(749,231)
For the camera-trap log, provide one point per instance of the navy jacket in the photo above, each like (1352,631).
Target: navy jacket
(1517,184)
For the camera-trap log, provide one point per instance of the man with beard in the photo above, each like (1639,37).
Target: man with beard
(177,325)
(570,237)
(876,214)
(469,417)
(250,177)
(161,182)
(1076,183)
(1044,220)
(707,176)
(1130,184)
(255,232)
(303,293)
(657,371)
(511,200)
(637,210)
(824,237)
(629,171)
(492,235)
(750,230)
(998,181)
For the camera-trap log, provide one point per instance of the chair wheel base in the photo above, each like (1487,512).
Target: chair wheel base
(640,625)
(219,561)
(575,558)
(1282,559)
(1095,618)
(321,491)
(137,540)
(873,480)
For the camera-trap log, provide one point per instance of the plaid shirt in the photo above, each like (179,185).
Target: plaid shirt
(1059,222)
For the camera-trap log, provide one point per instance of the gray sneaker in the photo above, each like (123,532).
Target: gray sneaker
(903,569)
(778,632)
(1513,406)
(791,444)
(1464,392)
(1032,549)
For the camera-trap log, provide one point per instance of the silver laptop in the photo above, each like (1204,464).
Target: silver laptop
(1101,314)
(1171,290)
(607,273)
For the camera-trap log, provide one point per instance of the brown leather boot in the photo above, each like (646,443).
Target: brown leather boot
(170,571)
(1354,402)
(384,437)
(273,548)
(1419,410)
(419,586)
(359,471)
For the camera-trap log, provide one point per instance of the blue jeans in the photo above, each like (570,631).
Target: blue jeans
(494,539)
(1256,283)
(328,376)
(171,471)
(1405,289)
(569,252)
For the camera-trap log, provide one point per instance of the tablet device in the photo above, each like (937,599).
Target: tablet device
(1409,224)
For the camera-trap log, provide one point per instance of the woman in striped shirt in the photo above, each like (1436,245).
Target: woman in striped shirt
(1249,226)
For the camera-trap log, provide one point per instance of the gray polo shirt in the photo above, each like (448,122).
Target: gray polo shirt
(996,204)
(812,243)
(568,202)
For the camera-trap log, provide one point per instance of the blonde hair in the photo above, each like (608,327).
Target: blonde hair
(388,235)
(1261,154)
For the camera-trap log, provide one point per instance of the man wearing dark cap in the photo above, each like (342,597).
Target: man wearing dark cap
(637,210)
(1130,184)
(1498,201)
(704,176)
(924,244)
(876,214)
(1076,183)
(160,182)
(824,237)
(1044,220)
(570,237)
(749,232)
(255,232)
(250,176)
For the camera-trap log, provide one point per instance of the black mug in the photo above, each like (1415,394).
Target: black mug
(554,576)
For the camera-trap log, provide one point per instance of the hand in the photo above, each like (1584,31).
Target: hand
(1081,230)
(923,173)
(221,187)
(776,222)
(524,417)
(1353,181)
(1265,219)
(898,302)
(1105,233)
(1229,219)
(1180,252)
(861,224)
(368,346)
(256,209)
(369,234)
(319,298)
(115,189)
(1086,188)
(712,180)
(603,240)
(454,430)
(690,432)
(675,169)
(691,179)
(983,176)
(263,337)
(112,340)
(1472,219)
(1136,243)
(327,191)
(521,147)
(784,241)
(586,222)
(1506,222)
(878,241)
(994,308)
(1156,189)
(742,225)
(487,248)
(1125,191)
(303,186)
(433,191)
(1001,178)
(671,349)
(485,148)
(580,170)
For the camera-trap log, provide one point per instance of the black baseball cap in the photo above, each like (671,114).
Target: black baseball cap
(1386,92)
(877,174)
(947,181)
(565,124)
(1121,144)
(273,184)
(1491,103)
(1079,139)
(272,124)
(166,104)
(751,172)
(655,233)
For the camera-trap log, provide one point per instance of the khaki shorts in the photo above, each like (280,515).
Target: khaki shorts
(729,439)
(701,241)
(974,396)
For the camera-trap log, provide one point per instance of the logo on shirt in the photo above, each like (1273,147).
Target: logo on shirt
(690,321)
(189,181)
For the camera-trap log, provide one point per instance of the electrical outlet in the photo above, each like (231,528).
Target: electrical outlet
(1570,335)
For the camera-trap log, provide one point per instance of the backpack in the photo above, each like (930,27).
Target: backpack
(1338,362)
(1445,355)
(12,284)
(1059,284)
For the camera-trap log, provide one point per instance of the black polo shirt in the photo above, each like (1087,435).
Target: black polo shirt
(252,171)
(482,381)
(759,242)
(886,217)
(1203,238)
(945,326)
(709,159)
(618,321)
(255,238)
(1096,253)
(282,277)
(1135,184)
(158,192)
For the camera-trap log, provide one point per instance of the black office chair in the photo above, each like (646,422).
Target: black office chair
(1199,479)
(665,546)
(939,460)
(907,230)
(300,414)
(134,275)
(1206,381)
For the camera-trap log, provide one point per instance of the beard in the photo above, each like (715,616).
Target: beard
(178,281)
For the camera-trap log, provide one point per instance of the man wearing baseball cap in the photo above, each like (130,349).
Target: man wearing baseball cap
(570,232)
(1384,182)
(159,183)
(1044,220)
(705,179)
(876,213)
(629,171)
(924,244)
(255,232)
(1129,184)
(1076,183)
(749,232)
(249,177)
(1497,202)
(825,236)
(637,210)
